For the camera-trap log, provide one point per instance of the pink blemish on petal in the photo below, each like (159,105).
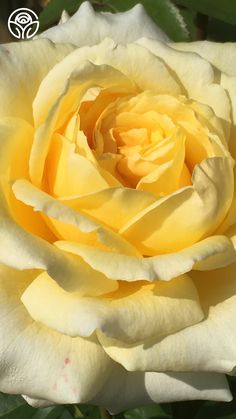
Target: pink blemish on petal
(55,387)
(67,361)
(65,378)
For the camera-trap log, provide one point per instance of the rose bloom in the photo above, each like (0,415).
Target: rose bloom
(118,215)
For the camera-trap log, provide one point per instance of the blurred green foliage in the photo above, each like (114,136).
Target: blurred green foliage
(223,10)
(14,407)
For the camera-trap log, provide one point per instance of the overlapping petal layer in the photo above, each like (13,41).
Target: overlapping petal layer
(183,350)
(29,349)
(166,307)
(117,225)
(122,27)
(24,65)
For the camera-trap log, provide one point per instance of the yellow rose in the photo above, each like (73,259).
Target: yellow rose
(118,215)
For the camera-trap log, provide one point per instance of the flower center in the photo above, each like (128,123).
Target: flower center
(149,142)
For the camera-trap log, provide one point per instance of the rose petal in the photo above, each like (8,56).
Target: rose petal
(124,390)
(127,73)
(138,389)
(67,370)
(52,110)
(64,17)
(216,250)
(55,209)
(195,73)
(16,136)
(167,226)
(28,251)
(221,55)
(23,66)
(134,313)
(69,173)
(121,27)
(79,371)
(166,177)
(229,84)
(207,346)
(113,206)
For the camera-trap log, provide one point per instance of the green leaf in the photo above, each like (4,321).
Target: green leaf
(190,20)
(22,412)
(149,412)
(52,12)
(66,415)
(220,9)
(91,412)
(14,407)
(9,403)
(169,18)
(78,414)
(53,412)
(83,411)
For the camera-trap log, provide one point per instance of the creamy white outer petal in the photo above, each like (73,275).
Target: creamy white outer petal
(164,306)
(55,102)
(37,403)
(165,226)
(123,69)
(195,73)
(41,201)
(121,27)
(216,249)
(209,345)
(22,250)
(39,362)
(78,370)
(221,55)
(124,390)
(229,83)
(23,65)
(64,17)
(128,390)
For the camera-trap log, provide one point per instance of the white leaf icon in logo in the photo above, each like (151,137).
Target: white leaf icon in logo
(23,23)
